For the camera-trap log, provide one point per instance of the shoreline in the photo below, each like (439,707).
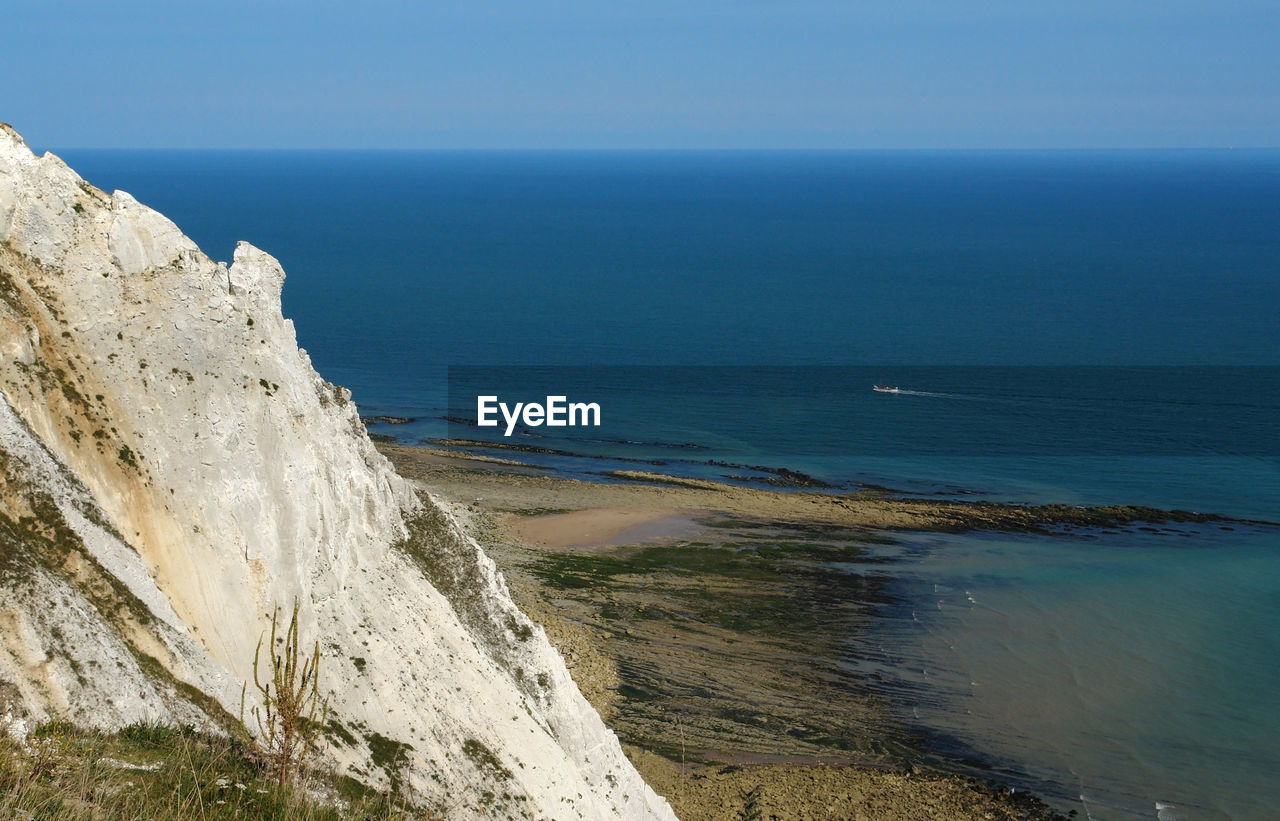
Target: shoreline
(733,649)
(873,508)
(716,670)
(722,630)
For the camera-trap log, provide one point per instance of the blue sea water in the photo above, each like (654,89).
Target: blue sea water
(1089,327)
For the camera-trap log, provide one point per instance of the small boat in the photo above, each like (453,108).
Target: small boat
(886,388)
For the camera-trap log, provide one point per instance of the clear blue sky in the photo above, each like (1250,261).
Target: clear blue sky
(651,74)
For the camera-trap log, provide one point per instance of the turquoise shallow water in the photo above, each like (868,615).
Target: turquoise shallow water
(1075,327)
(1120,674)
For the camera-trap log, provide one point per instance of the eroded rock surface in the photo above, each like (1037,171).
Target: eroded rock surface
(174,469)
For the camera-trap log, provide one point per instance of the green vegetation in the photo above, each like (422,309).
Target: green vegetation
(484,757)
(453,566)
(765,560)
(391,756)
(339,734)
(769,588)
(291,714)
(125,454)
(760,605)
(153,773)
(522,632)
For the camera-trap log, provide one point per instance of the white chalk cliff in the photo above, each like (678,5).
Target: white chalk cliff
(173,469)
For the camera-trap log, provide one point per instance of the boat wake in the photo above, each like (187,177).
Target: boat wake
(906,392)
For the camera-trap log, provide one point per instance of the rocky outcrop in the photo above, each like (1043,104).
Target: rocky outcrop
(174,469)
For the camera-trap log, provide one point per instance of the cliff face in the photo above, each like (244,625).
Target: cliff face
(174,469)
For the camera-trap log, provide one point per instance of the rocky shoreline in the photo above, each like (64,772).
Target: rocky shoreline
(700,619)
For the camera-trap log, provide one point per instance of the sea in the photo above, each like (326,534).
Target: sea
(1087,327)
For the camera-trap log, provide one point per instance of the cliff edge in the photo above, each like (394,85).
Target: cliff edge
(173,469)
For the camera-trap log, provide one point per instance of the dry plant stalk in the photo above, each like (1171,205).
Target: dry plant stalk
(291,714)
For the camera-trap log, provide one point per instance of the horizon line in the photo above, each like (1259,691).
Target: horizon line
(684,150)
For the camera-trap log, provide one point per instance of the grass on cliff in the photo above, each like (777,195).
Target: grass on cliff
(141,773)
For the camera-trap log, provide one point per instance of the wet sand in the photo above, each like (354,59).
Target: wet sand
(511,487)
(702,619)
(599,527)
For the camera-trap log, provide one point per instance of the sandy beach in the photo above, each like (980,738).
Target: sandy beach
(706,646)
(633,497)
